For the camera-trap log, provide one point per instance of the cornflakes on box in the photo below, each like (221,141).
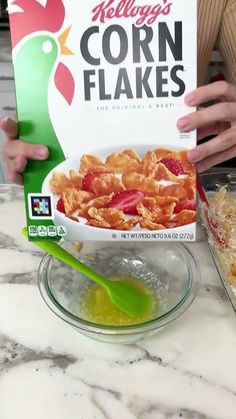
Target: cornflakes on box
(102,84)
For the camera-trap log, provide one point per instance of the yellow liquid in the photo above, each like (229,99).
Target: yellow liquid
(98,308)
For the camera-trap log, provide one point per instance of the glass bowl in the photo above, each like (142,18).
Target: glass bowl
(169,270)
(211,183)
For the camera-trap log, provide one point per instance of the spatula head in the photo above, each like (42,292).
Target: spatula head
(129,298)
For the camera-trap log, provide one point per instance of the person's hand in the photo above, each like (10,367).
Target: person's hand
(218,120)
(16,152)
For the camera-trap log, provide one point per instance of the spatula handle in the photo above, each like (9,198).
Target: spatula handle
(59,253)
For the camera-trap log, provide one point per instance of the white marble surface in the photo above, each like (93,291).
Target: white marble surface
(50,371)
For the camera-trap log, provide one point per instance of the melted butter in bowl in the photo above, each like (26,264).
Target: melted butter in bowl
(98,308)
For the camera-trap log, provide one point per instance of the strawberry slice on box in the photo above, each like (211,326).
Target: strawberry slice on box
(61,206)
(187,205)
(127,201)
(175,166)
(87,184)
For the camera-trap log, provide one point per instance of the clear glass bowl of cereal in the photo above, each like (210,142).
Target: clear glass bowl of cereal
(220,188)
(168,270)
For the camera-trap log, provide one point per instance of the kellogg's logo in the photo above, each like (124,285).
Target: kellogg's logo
(129,9)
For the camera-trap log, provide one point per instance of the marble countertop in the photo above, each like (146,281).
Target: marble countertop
(50,371)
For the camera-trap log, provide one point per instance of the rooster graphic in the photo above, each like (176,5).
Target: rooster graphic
(37,50)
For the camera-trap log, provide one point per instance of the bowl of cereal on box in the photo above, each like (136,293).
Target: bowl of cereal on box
(142,189)
(168,271)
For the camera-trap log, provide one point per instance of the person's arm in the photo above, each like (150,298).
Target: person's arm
(16,152)
(218,120)
(226,42)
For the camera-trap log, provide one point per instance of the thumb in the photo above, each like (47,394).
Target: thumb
(38,152)
(15,148)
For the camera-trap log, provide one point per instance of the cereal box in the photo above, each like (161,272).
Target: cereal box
(102,84)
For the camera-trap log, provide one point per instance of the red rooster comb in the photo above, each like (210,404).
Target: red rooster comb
(46,18)
(35,17)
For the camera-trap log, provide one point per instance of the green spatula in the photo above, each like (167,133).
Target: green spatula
(123,293)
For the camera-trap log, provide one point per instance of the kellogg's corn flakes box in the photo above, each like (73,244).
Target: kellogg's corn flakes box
(102,83)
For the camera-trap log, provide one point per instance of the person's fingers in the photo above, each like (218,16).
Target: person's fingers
(207,116)
(222,142)
(213,129)
(13,149)
(20,163)
(215,91)
(216,159)
(10,165)
(15,178)
(16,165)
(9,126)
